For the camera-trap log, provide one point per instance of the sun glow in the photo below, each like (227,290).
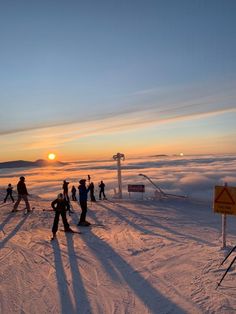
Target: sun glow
(51,156)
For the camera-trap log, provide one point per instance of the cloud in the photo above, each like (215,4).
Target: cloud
(140,109)
(195,181)
(55,136)
(195,176)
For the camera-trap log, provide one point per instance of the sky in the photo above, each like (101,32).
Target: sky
(88,79)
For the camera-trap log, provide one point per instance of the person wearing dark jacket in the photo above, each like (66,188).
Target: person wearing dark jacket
(9,193)
(73,193)
(65,189)
(83,196)
(102,191)
(60,206)
(92,196)
(22,194)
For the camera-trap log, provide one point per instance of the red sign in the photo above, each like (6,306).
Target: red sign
(136,188)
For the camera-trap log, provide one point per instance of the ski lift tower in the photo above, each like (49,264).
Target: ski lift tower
(118,157)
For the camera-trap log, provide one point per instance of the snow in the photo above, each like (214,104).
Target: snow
(141,256)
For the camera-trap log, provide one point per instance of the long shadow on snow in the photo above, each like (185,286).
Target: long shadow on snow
(155,224)
(62,283)
(106,262)
(13,232)
(134,225)
(152,298)
(6,220)
(81,299)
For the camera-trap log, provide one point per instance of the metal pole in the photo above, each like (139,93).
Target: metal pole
(119,176)
(223,231)
(224,227)
(118,157)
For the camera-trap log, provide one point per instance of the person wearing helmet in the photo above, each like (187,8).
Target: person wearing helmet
(22,194)
(83,196)
(60,205)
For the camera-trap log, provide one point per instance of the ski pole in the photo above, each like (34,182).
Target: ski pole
(228,255)
(226,272)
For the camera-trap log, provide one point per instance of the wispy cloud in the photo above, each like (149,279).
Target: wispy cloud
(156,105)
(56,136)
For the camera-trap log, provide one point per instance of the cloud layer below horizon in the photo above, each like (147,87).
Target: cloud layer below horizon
(192,176)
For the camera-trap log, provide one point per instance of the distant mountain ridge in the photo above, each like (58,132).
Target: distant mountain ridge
(27,164)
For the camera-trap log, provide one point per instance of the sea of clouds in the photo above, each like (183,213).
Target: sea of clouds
(194,176)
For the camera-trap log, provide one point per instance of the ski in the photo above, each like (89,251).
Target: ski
(94,225)
(71,232)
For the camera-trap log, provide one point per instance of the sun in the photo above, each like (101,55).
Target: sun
(51,156)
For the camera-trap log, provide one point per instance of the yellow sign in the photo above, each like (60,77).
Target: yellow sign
(225,200)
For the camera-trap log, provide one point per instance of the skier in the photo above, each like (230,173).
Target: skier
(65,189)
(9,193)
(83,196)
(60,206)
(73,192)
(92,197)
(102,191)
(22,193)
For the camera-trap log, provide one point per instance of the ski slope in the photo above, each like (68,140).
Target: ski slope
(140,257)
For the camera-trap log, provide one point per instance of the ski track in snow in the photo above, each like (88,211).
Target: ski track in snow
(139,257)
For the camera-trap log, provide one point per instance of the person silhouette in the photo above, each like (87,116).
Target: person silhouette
(92,196)
(73,193)
(22,194)
(60,205)
(83,196)
(102,191)
(65,189)
(9,193)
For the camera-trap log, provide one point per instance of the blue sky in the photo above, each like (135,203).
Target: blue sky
(116,74)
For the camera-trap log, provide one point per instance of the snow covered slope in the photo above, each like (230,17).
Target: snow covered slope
(139,257)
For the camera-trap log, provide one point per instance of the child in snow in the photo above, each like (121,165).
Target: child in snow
(60,206)
(9,193)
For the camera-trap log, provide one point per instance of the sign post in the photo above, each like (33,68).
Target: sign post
(140,188)
(225,204)
(223,231)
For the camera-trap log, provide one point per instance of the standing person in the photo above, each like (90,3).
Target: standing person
(92,197)
(65,190)
(102,191)
(9,193)
(83,196)
(22,193)
(60,206)
(73,192)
